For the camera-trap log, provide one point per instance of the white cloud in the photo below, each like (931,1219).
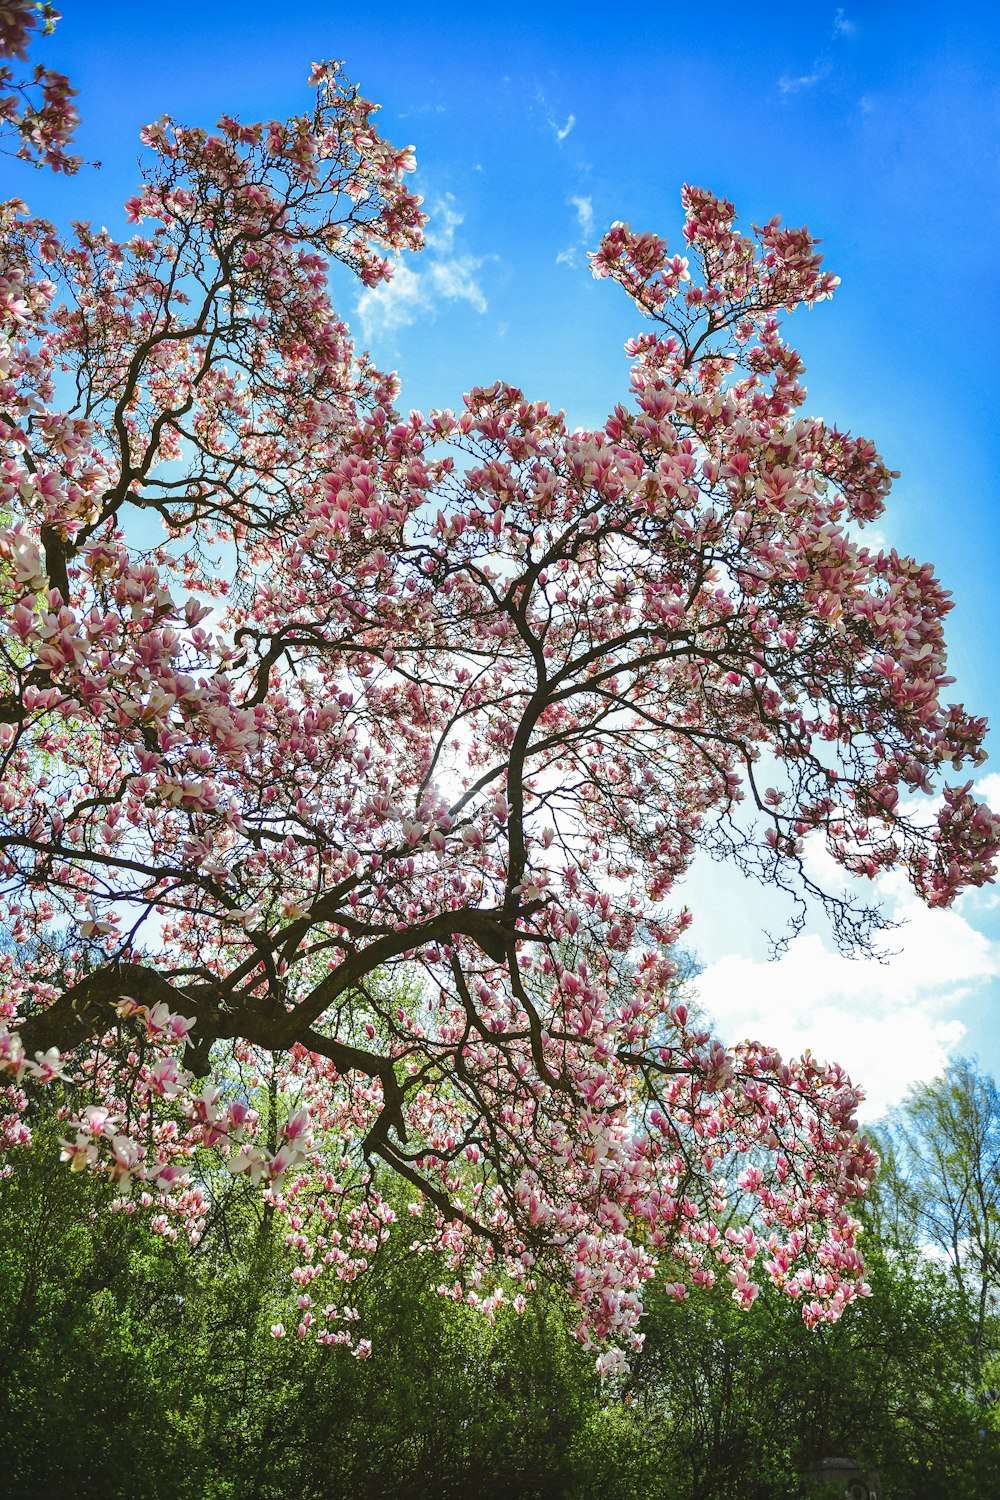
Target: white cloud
(822,65)
(789,85)
(392,304)
(414,293)
(584,212)
(584,207)
(988,788)
(455,280)
(416,111)
(890,1024)
(443,218)
(541,106)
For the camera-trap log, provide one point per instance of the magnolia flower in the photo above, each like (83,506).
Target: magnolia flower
(93,927)
(250,1161)
(29,572)
(48,1065)
(12,1059)
(80,1153)
(611,1362)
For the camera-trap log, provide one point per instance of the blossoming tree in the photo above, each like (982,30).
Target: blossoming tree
(357,754)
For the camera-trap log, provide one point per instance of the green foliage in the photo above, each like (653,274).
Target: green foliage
(744,1403)
(91,1312)
(130,1366)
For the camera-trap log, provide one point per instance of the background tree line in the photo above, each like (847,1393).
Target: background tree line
(131,1366)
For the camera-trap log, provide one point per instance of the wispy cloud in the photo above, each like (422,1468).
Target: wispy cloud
(455,280)
(822,65)
(415,293)
(392,304)
(559,128)
(584,207)
(789,85)
(415,111)
(443,220)
(584,213)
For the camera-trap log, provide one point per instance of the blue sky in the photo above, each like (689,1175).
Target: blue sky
(878,124)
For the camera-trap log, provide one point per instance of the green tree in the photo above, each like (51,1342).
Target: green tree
(736,1406)
(944,1143)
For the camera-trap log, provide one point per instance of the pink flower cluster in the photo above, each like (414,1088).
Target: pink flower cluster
(36,110)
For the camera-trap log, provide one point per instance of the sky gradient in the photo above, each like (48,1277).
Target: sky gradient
(877,124)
